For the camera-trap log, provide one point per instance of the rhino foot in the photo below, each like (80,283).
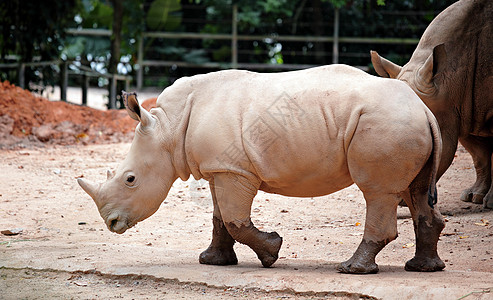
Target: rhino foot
(270,249)
(219,257)
(352,266)
(488,201)
(469,196)
(425,264)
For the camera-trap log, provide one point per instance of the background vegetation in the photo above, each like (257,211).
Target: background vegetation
(35,30)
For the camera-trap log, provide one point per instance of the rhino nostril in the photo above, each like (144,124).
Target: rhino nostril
(112,223)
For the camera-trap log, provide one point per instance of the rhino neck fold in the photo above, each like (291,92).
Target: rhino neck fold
(175,142)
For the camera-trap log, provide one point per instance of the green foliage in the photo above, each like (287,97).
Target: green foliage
(339,3)
(96,14)
(95,51)
(34,30)
(358,18)
(164,14)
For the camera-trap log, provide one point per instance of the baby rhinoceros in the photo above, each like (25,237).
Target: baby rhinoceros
(302,133)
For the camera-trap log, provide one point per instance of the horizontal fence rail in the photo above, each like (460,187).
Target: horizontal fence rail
(83,71)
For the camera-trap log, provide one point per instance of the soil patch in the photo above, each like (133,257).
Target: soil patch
(27,120)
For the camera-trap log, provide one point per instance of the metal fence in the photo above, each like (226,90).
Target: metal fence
(234,39)
(146,60)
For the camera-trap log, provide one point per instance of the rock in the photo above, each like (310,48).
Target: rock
(14,231)
(6,126)
(43,132)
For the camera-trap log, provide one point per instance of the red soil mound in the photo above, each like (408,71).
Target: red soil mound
(149,103)
(25,118)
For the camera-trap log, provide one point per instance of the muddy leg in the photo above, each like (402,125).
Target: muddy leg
(488,199)
(380,229)
(234,197)
(220,251)
(428,223)
(481,155)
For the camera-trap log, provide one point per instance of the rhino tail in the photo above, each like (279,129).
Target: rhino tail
(435,156)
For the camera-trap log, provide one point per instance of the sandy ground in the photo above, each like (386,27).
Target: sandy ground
(65,250)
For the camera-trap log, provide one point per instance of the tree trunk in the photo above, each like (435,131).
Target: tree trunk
(116,36)
(318,28)
(116,40)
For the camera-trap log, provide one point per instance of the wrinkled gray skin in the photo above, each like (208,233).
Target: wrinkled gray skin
(451,70)
(303,133)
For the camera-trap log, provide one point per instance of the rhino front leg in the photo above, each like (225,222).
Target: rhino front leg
(481,155)
(380,229)
(234,197)
(220,251)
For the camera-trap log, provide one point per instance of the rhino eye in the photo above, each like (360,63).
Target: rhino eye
(130,180)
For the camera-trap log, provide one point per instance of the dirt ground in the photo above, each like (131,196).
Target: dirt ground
(65,251)
(63,234)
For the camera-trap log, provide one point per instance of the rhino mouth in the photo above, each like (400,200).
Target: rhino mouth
(118,224)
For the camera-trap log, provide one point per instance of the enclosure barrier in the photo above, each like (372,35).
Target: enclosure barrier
(83,71)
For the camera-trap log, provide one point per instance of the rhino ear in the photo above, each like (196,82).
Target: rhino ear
(434,64)
(384,67)
(135,111)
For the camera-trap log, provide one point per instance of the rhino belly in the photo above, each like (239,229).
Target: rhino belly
(303,174)
(304,188)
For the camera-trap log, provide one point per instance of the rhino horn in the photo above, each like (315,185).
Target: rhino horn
(135,111)
(384,67)
(110,174)
(90,188)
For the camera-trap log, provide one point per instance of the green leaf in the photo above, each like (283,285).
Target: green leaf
(164,14)
(196,56)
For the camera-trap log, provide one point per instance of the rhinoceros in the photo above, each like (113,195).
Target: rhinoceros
(300,133)
(451,70)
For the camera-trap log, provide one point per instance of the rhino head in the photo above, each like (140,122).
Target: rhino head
(135,190)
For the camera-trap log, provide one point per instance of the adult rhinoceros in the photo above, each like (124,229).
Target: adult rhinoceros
(451,70)
(303,133)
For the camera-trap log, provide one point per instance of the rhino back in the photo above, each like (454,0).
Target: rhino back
(290,130)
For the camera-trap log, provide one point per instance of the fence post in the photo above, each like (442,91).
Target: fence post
(127,83)
(335,44)
(234,37)
(140,59)
(85,87)
(112,99)
(63,80)
(22,77)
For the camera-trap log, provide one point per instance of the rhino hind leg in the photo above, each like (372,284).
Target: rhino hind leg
(220,251)
(363,260)
(234,198)
(426,258)
(380,229)
(488,199)
(428,224)
(481,154)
